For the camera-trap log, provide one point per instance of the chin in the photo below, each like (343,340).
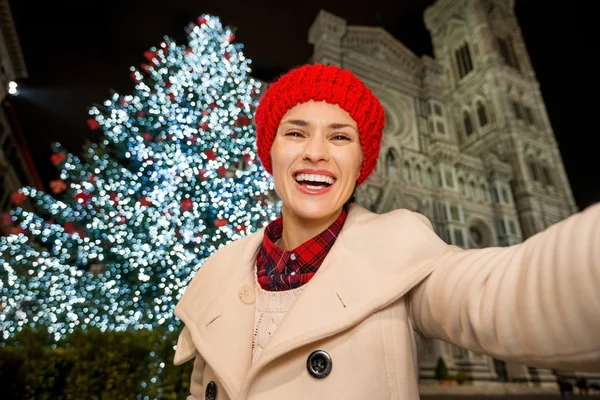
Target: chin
(313,210)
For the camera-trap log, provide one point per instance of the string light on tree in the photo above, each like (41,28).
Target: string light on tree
(173,178)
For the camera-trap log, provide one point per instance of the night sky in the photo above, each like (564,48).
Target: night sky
(77,51)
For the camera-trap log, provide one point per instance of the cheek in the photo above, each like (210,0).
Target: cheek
(275,157)
(280,159)
(359,164)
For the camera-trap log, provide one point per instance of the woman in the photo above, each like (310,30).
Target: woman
(332,301)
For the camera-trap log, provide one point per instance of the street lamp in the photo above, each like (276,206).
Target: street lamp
(12,88)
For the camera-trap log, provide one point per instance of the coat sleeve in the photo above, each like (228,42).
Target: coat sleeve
(536,303)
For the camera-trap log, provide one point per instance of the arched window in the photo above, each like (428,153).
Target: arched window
(481,114)
(518,110)
(484,193)
(529,115)
(391,163)
(473,190)
(468,124)
(462,187)
(419,176)
(533,171)
(547,175)
(407,174)
(507,51)
(430,177)
(463,60)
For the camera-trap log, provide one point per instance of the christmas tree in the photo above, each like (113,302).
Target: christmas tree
(173,178)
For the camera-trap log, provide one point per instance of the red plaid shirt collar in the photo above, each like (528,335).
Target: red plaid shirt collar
(278,269)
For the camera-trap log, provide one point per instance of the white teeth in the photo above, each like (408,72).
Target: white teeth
(311,187)
(315,178)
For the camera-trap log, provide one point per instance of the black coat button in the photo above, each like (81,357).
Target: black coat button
(319,364)
(211,391)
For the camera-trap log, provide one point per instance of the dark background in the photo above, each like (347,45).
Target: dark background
(75,52)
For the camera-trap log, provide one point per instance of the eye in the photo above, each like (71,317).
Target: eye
(293,134)
(339,136)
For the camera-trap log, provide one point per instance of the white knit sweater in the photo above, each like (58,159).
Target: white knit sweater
(270,309)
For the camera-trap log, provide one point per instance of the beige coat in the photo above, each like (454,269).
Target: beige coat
(388,282)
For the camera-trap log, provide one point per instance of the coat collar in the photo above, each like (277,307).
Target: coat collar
(376,259)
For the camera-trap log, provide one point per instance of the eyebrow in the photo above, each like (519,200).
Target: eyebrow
(335,125)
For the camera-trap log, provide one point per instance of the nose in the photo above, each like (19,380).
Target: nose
(316,149)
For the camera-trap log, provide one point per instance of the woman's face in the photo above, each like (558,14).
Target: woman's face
(316,159)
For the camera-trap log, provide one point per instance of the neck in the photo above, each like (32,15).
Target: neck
(297,230)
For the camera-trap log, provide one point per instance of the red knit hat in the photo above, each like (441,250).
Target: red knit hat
(333,85)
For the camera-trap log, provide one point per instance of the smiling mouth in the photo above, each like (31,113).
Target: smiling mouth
(314,182)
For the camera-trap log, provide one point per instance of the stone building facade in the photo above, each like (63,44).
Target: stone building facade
(14,170)
(467,142)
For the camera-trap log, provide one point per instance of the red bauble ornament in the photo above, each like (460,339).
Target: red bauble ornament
(140,114)
(202,174)
(188,51)
(222,170)
(231,37)
(147,136)
(205,112)
(186,204)
(145,68)
(201,20)
(204,126)
(17,230)
(242,121)
(192,139)
(57,158)
(69,228)
(149,55)
(114,197)
(58,186)
(83,198)
(168,84)
(18,197)
(171,96)
(240,228)
(144,201)
(227,56)
(7,219)
(93,124)
(247,157)
(121,219)
(219,223)
(210,155)
(134,77)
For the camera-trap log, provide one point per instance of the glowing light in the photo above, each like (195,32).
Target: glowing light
(13,88)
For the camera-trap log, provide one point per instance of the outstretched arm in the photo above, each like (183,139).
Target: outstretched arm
(535,303)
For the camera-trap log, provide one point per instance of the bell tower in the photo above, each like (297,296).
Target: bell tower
(496,105)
